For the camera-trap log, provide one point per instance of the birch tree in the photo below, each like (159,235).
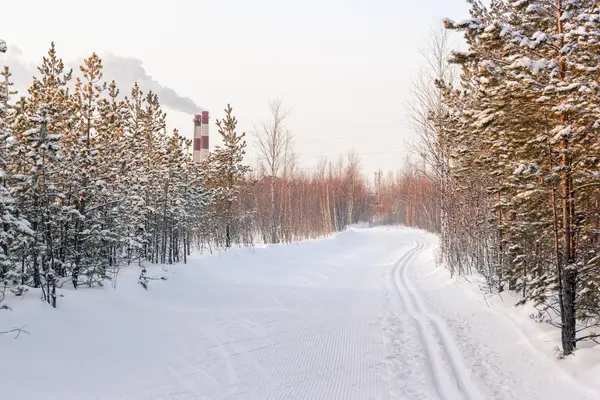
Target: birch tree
(274,142)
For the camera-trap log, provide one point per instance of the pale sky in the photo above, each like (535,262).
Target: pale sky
(344,67)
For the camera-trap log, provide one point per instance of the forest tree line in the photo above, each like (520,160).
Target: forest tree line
(511,129)
(91,182)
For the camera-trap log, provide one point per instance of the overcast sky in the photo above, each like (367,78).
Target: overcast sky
(344,66)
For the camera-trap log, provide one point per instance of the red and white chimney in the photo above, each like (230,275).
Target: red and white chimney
(200,137)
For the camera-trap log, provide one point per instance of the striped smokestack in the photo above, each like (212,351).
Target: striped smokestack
(204,136)
(197,138)
(200,137)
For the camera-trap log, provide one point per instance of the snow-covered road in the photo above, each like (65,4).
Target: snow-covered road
(363,315)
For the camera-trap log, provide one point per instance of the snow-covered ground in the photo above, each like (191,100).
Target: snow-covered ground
(365,314)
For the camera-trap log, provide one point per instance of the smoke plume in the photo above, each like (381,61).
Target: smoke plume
(128,70)
(124,70)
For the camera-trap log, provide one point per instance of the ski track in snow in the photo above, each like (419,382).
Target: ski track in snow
(444,361)
(360,316)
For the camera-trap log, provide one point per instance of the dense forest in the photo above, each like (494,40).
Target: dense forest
(92,182)
(510,127)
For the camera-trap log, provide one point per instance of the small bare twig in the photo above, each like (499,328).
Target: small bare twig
(593,337)
(17,330)
(485,298)
(159,278)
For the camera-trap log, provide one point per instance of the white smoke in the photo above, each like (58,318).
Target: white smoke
(125,71)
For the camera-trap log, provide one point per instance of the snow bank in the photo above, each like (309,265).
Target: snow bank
(498,318)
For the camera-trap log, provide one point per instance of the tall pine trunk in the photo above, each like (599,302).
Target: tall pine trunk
(569,269)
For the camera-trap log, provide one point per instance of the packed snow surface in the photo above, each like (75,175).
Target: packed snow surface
(365,314)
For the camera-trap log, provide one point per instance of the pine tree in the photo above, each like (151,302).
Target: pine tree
(42,119)
(229,171)
(85,183)
(15,230)
(110,144)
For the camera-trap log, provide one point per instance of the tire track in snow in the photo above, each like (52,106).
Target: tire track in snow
(445,361)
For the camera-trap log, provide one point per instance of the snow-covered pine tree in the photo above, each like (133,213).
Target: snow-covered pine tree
(86,186)
(228,172)
(153,151)
(111,146)
(15,231)
(39,198)
(36,156)
(134,181)
(173,202)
